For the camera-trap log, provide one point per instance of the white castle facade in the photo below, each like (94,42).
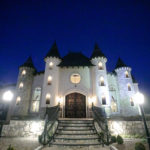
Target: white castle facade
(75,82)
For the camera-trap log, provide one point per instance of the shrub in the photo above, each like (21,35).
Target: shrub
(139,146)
(10,148)
(113,139)
(119,139)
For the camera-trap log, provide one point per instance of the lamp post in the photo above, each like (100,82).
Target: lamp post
(6,99)
(139,99)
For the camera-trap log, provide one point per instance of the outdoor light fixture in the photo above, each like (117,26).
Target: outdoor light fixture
(59,99)
(139,99)
(8,96)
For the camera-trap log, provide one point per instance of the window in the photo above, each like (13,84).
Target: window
(75,78)
(129,87)
(36,99)
(127,74)
(131,101)
(113,105)
(49,80)
(103,100)
(21,85)
(102,81)
(23,72)
(100,66)
(48,96)
(51,65)
(18,100)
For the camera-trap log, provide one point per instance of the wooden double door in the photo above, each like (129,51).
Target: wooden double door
(75,106)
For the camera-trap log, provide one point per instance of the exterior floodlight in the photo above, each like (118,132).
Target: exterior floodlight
(8,96)
(139,98)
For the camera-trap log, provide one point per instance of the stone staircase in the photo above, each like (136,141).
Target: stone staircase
(76,132)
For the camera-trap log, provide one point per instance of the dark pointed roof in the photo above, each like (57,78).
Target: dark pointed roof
(120,63)
(75,59)
(28,63)
(53,52)
(97,52)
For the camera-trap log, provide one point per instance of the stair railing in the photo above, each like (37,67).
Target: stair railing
(99,116)
(51,125)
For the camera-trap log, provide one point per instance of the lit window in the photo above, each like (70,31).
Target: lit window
(51,65)
(23,72)
(129,87)
(21,85)
(75,78)
(113,105)
(102,81)
(100,66)
(127,74)
(48,96)
(18,100)
(103,100)
(36,99)
(131,101)
(49,80)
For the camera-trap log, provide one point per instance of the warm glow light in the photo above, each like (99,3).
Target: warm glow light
(92,100)
(23,72)
(100,65)
(18,100)
(139,98)
(21,85)
(35,127)
(59,99)
(117,128)
(51,64)
(8,96)
(49,79)
(127,74)
(48,96)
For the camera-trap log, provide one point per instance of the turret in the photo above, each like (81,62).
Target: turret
(100,78)
(23,88)
(126,88)
(51,77)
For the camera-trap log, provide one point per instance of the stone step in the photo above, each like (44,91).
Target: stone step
(94,133)
(75,132)
(75,129)
(76,136)
(76,121)
(75,144)
(77,124)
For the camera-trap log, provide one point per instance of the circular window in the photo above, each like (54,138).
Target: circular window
(75,78)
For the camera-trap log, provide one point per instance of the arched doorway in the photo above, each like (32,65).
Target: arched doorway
(75,106)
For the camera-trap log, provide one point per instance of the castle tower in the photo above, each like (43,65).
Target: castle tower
(127,89)
(100,83)
(51,77)
(23,88)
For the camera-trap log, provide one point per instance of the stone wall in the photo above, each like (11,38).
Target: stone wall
(128,128)
(20,128)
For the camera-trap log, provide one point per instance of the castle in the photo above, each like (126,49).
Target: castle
(75,82)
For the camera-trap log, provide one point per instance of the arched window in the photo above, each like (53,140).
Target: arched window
(113,105)
(102,81)
(103,100)
(129,87)
(21,85)
(18,100)
(75,78)
(51,65)
(100,66)
(131,101)
(23,72)
(48,96)
(36,99)
(127,74)
(49,80)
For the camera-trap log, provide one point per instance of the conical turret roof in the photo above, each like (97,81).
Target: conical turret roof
(28,63)
(120,63)
(53,52)
(97,52)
